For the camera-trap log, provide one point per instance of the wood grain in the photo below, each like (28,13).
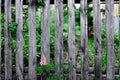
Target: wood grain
(84,40)
(59,38)
(32,39)
(7,45)
(110,39)
(71,39)
(45,30)
(19,40)
(97,39)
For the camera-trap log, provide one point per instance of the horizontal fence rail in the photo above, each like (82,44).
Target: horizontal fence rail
(78,70)
(19,71)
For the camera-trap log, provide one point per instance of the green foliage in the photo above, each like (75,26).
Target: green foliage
(39,69)
(12,27)
(89,17)
(45,69)
(41,3)
(50,78)
(118,78)
(47,66)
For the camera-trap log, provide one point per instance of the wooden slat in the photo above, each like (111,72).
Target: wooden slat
(71,39)
(45,30)
(84,40)
(119,37)
(110,39)
(0,40)
(32,39)
(59,38)
(97,39)
(7,46)
(19,40)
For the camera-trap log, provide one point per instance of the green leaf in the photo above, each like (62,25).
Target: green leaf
(39,69)
(118,78)
(47,66)
(12,26)
(43,4)
(39,1)
(50,78)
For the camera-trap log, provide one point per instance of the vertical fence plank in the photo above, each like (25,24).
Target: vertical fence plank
(110,39)
(71,39)
(19,39)
(7,47)
(84,40)
(45,30)
(59,38)
(32,40)
(0,41)
(119,38)
(97,39)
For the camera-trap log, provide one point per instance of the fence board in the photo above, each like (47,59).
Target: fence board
(19,39)
(84,40)
(97,39)
(110,39)
(32,39)
(59,38)
(7,46)
(45,30)
(71,39)
(0,41)
(119,37)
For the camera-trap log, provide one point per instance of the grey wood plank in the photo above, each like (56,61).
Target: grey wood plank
(32,40)
(19,40)
(59,38)
(110,39)
(97,39)
(45,30)
(71,39)
(84,40)
(7,45)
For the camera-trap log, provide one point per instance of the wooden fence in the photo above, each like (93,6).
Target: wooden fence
(45,39)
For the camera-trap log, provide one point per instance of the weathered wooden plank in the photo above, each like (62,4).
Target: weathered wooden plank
(119,38)
(110,39)
(59,38)
(97,39)
(32,39)
(7,47)
(45,30)
(71,39)
(0,40)
(19,40)
(84,40)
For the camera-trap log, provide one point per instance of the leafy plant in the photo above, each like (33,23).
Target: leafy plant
(44,70)
(118,78)
(12,26)
(41,3)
